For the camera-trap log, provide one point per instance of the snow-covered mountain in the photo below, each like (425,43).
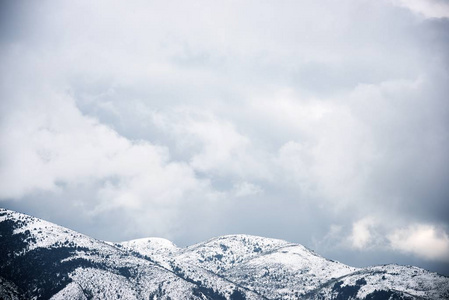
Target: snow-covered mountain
(41,260)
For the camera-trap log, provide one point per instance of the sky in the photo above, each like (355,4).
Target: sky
(323,123)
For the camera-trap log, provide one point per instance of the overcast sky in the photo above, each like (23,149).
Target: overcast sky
(320,122)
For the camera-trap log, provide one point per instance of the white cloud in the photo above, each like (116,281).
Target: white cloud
(425,241)
(331,155)
(59,144)
(421,240)
(211,144)
(221,145)
(363,235)
(50,146)
(428,8)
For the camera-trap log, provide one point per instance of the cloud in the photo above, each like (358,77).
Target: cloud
(49,146)
(221,148)
(428,8)
(61,146)
(362,233)
(211,144)
(243,189)
(170,115)
(424,241)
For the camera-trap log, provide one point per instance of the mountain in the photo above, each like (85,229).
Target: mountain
(41,260)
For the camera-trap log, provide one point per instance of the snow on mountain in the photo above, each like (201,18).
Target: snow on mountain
(222,253)
(41,260)
(409,280)
(295,270)
(165,253)
(157,249)
(151,246)
(277,269)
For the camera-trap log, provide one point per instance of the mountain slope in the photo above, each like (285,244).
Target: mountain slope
(278,269)
(41,260)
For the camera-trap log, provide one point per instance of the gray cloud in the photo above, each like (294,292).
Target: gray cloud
(321,123)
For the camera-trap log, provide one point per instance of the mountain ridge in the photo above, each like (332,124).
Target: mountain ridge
(42,260)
